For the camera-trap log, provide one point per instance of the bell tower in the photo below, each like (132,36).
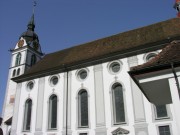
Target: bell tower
(26,53)
(27,50)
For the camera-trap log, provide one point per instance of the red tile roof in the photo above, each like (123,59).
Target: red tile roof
(170,54)
(123,43)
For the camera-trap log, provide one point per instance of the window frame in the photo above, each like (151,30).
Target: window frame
(150,54)
(78,72)
(18,71)
(33,59)
(18,59)
(14,73)
(110,64)
(156,118)
(50,113)
(114,120)
(51,82)
(24,128)
(28,85)
(79,109)
(160,125)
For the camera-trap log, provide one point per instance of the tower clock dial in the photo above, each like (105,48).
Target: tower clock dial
(20,43)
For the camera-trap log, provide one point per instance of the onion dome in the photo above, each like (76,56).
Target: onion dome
(30,36)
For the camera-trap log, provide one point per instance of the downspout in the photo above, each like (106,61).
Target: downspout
(176,78)
(67,104)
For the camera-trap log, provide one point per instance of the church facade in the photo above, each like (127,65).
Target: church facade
(86,89)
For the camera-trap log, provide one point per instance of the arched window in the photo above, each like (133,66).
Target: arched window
(33,59)
(18,59)
(18,71)
(52,121)
(83,109)
(14,72)
(118,104)
(27,115)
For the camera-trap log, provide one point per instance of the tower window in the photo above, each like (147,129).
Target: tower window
(118,104)
(33,59)
(27,115)
(18,71)
(52,124)
(83,108)
(14,73)
(18,59)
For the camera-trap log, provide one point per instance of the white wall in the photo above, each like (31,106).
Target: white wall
(88,84)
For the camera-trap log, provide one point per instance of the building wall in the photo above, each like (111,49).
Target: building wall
(98,85)
(24,64)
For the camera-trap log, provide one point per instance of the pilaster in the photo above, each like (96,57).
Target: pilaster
(138,103)
(39,110)
(99,100)
(67,103)
(16,110)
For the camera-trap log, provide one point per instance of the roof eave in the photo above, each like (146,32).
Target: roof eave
(88,62)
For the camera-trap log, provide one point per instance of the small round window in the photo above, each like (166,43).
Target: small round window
(82,74)
(54,80)
(150,56)
(114,67)
(30,85)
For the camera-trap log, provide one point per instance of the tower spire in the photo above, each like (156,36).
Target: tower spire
(34,4)
(177,7)
(31,24)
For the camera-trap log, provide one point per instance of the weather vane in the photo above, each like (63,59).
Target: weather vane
(34,4)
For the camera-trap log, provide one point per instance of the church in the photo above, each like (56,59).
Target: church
(94,88)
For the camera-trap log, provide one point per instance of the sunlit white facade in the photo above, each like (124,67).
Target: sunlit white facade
(97,99)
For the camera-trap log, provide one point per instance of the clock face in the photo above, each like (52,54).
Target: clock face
(20,43)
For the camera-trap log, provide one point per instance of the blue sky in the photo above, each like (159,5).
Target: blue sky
(64,23)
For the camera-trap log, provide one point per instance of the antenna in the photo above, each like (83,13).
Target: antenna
(34,4)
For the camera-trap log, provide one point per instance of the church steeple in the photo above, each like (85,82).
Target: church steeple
(29,37)
(31,24)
